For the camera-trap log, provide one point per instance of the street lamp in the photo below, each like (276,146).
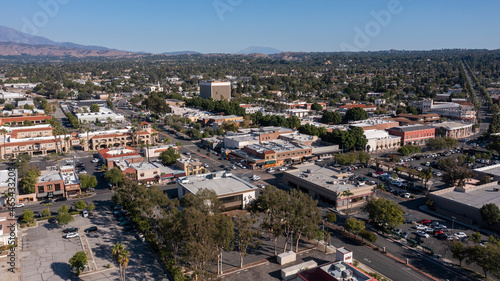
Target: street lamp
(453,222)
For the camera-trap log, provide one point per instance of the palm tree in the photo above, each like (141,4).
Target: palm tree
(121,255)
(4,133)
(426,175)
(347,194)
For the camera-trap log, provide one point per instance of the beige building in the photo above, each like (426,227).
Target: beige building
(455,130)
(328,185)
(379,140)
(217,90)
(144,134)
(191,166)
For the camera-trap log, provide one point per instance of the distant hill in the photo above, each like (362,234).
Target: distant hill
(259,50)
(181,53)
(9,35)
(17,49)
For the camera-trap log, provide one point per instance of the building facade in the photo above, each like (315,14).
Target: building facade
(413,134)
(217,90)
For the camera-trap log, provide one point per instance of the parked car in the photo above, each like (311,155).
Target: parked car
(90,229)
(420,227)
(20,205)
(425,221)
(460,235)
(261,186)
(72,235)
(125,222)
(405,234)
(122,218)
(85,213)
(53,220)
(442,236)
(281,169)
(70,229)
(422,234)
(61,199)
(117,213)
(437,232)
(117,207)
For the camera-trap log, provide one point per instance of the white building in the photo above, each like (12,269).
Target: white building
(379,140)
(298,112)
(103,115)
(11,96)
(155,151)
(455,110)
(455,130)
(233,192)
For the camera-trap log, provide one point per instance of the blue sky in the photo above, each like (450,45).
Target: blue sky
(315,25)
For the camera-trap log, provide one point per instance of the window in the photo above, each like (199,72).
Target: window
(155,172)
(57,186)
(49,187)
(40,189)
(142,175)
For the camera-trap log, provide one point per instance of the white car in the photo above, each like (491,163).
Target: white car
(19,205)
(282,169)
(270,171)
(438,174)
(69,161)
(72,235)
(255,177)
(420,227)
(422,234)
(205,165)
(261,186)
(95,160)
(460,235)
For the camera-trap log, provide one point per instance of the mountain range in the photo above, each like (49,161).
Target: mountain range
(17,43)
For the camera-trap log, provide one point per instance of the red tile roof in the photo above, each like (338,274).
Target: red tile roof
(4,120)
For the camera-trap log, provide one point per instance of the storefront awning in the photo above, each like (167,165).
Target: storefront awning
(270,162)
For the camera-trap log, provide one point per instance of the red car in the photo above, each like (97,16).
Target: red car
(425,221)
(379,172)
(437,232)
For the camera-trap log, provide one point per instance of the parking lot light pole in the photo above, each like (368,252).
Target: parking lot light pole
(453,222)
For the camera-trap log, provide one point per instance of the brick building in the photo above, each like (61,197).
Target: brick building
(413,134)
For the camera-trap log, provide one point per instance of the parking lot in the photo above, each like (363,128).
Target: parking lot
(46,251)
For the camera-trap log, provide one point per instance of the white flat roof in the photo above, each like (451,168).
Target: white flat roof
(221,185)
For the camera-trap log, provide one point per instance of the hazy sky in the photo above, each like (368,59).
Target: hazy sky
(231,25)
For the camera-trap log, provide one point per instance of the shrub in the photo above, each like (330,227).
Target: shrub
(368,235)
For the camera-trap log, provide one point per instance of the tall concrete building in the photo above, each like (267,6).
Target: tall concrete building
(216,90)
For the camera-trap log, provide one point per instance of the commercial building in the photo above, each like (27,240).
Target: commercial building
(118,138)
(11,96)
(413,134)
(455,130)
(233,192)
(421,118)
(380,140)
(454,110)
(300,113)
(8,228)
(464,204)
(327,184)
(33,140)
(219,120)
(155,151)
(191,166)
(217,90)
(20,120)
(276,153)
(104,115)
(54,182)
(111,155)
(375,124)
(365,107)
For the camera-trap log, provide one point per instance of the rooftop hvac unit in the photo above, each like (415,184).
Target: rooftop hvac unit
(340,267)
(347,273)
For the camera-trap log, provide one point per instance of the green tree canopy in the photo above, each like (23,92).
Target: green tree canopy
(94,108)
(355,114)
(87,181)
(385,212)
(354,225)
(490,213)
(169,156)
(78,262)
(114,176)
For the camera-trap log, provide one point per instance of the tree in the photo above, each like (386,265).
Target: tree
(346,194)
(223,236)
(94,108)
(331,117)
(114,176)
(456,173)
(459,251)
(22,164)
(80,205)
(426,175)
(87,181)
(78,262)
(121,256)
(440,143)
(28,216)
(246,236)
(90,207)
(354,225)
(317,107)
(29,180)
(64,219)
(368,235)
(63,209)
(46,212)
(169,156)
(205,200)
(355,114)
(331,217)
(384,212)
(476,237)
(490,213)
